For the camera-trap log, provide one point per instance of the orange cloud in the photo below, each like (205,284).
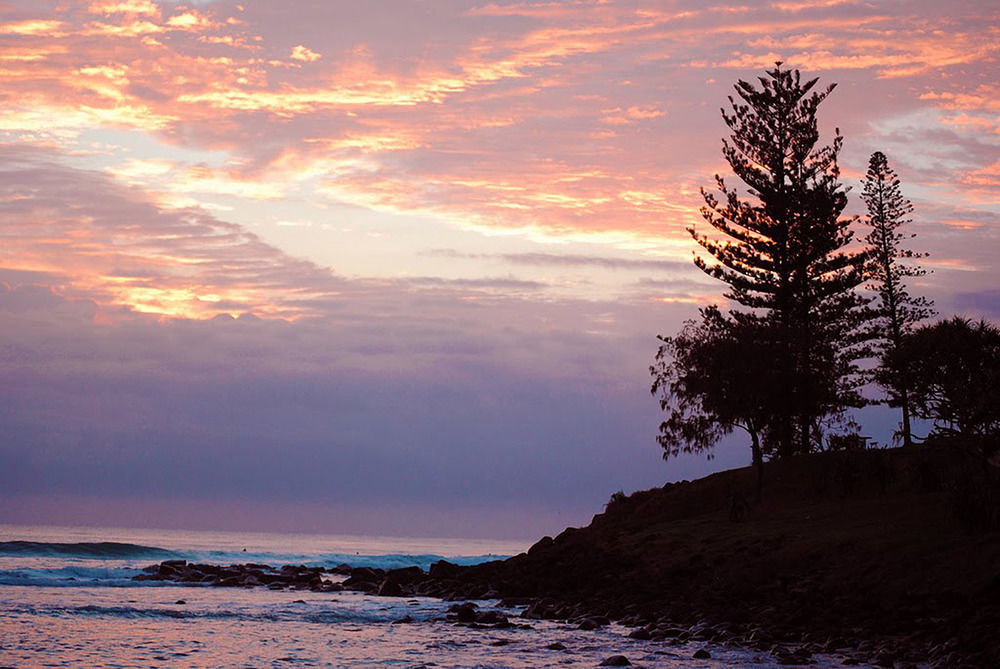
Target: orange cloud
(303,53)
(619,116)
(142,7)
(977,109)
(802,5)
(988,176)
(190,20)
(47,27)
(962,224)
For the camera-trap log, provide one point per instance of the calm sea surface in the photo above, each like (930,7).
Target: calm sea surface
(68,601)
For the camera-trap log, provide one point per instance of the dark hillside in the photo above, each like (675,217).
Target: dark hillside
(893,551)
(883,557)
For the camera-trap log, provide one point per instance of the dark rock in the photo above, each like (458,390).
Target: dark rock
(390,588)
(669,632)
(404,619)
(366,574)
(563,536)
(444,569)
(702,654)
(556,646)
(180,601)
(542,609)
(796,657)
(454,608)
(885,660)
(492,618)
(641,634)
(361,586)
(463,613)
(168,572)
(511,602)
(541,545)
(399,582)
(616,661)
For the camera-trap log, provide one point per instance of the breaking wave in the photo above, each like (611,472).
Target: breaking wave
(71,576)
(101,550)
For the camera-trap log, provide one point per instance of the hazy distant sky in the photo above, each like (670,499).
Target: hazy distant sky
(398,267)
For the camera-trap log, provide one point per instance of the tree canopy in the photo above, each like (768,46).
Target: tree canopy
(712,377)
(896,310)
(783,251)
(953,371)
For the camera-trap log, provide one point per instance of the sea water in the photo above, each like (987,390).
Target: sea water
(67,599)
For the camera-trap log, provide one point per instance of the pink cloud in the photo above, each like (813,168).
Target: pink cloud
(551,120)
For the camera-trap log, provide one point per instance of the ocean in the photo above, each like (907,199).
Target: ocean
(68,599)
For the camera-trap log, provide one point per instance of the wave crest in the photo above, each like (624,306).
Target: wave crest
(87,549)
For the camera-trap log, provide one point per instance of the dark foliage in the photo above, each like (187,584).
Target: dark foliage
(714,376)
(897,311)
(952,369)
(784,252)
(974,494)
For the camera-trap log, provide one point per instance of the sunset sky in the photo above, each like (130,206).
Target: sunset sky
(398,267)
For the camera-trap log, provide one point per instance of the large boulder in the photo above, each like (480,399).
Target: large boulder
(444,569)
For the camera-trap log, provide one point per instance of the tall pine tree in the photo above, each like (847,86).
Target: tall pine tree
(783,250)
(891,264)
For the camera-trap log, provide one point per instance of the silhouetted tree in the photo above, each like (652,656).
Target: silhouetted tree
(952,370)
(713,377)
(897,311)
(784,250)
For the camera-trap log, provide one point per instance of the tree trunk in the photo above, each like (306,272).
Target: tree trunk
(905,402)
(758,463)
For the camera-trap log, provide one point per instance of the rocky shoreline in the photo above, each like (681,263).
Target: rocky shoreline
(863,555)
(450,582)
(447,581)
